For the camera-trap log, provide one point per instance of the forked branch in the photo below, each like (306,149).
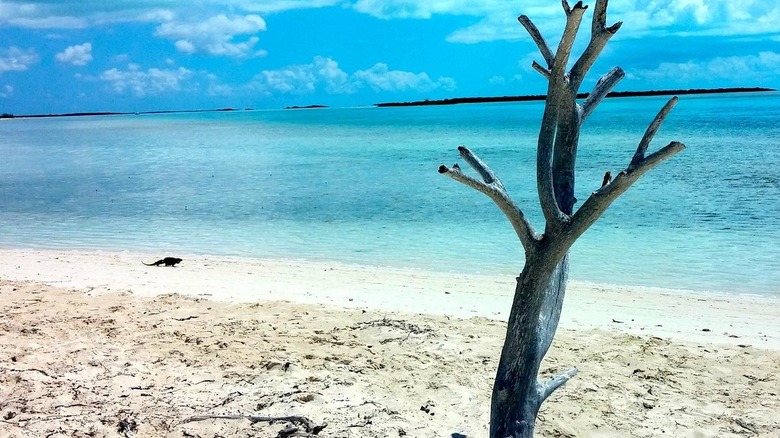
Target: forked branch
(602,198)
(600,34)
(491,186)
(544,159)
(651,131)
(573,20)
(544,49)
(599,22)
(543,71)
(605,84)
(309,425)
(478,165)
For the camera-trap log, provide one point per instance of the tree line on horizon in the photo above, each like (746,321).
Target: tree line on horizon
(533,97)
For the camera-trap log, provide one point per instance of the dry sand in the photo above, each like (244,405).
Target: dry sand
(96,344)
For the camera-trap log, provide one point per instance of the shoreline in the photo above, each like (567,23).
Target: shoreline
(681,315)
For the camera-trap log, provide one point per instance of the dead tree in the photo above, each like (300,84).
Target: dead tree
(536,309)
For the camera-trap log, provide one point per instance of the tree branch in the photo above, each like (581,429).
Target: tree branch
(600,34)
(557,92)
(538,39)
(599,17)
(564,132)
(602,198)
(604,85)
(544,157)
(477,164)
(543,71)
(547,388)
(492,187)
(565,152)
(573,20)
(651,131)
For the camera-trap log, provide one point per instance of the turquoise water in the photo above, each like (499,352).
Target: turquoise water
(360,185)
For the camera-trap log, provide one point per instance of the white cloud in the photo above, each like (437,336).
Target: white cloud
(381,78)
(757,68)
(268,6)
(495,19)
(51,22)
(393,9)
(326,73)
(185,46)
(76,55)
(296,79)
(6,91)
(497,80)
(122,58)
(145,82)
(158,15)
(16,59)
(216,35)
(491,28)
(388,9)
(72,14)
(216,89)
(336,80)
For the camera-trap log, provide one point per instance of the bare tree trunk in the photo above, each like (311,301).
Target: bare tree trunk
(517,396)
(541,286)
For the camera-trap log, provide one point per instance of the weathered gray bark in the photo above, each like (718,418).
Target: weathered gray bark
(541,286)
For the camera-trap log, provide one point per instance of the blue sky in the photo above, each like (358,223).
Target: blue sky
(136,55)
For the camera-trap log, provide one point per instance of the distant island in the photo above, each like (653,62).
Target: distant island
(305,107)
(107,113)
(458,100)
(452,101)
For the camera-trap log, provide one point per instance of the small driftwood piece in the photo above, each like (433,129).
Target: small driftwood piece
(309,426)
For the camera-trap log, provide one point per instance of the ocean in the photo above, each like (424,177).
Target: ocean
(360,185)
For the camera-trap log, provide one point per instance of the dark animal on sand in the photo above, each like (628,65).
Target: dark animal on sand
(168,261)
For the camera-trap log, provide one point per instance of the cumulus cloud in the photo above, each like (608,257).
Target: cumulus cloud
(148,82)
(394,9)
(50,22)
(76,55)
(304,79)
(497,80)
(493,28)
(216,35)
(122,58)
(215,89)
(494,19)
(752,67)
(6,91)
(267,6)
(295,79)
(16,59)
(61,14)
(381,78)
(326,73)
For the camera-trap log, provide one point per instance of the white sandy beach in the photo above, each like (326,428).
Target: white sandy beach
(95,341)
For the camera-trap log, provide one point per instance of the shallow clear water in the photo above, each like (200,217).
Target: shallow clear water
(360,185)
